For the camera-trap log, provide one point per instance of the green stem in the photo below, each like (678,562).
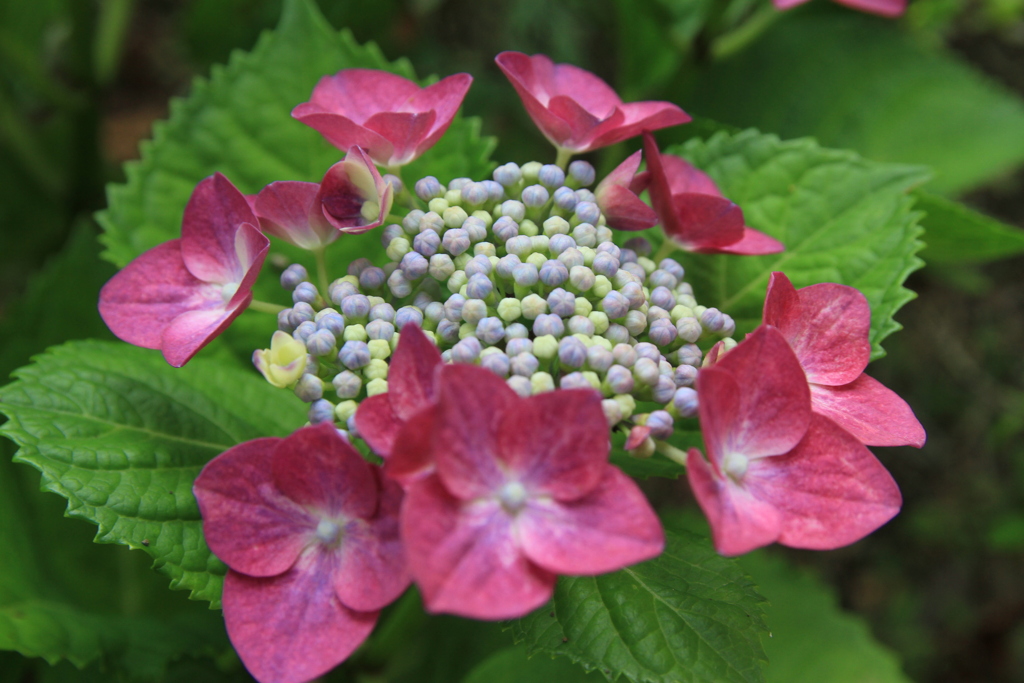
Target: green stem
(562,160)
(394,218)
(674,454)
(111,28)
(732,42)
(667,248)
(321,270)
(265,307)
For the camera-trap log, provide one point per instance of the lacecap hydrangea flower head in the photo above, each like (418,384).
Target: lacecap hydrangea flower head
(463,392)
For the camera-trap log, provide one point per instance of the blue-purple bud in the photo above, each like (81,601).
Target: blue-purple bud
(309,388)
(524,364)
(371,278)
(581,324)
(561,303)
(414,265)
(627,255)
(357,266)
(690,354)
(473,311)
(284,322)
(599,358)
(347,384)
(513,209)
(685,402)
(411,222)
(321,343)
(476,228)
(383,311)
(615,305)
(548,323)
(517,331)
(520,245)
(507,265)
(467,350)
(672,266)
(662,297)
(535,196)
(399,285)
(624,354)
(448,331)
(521,385)
(293,275)
(507,175)
(587,212)
(505,229)
(554,273)
(453,307)
(354,355)
(305,291)
(605,264)
(664,389)
(498,363)
(620,380)
(321,411)
(478,265)
(456,241)
(585,195)
(558,243)
(616,334)
(565,198)
(646,371)
(495,191)
(339,289)
(459,183)
(662,332)
(380,329)
(634,293)
(409,314)
(479,287)
(551,176)
(662,278)
(572,353)
(355,307)
(426,243)
(434,311)
(634,269)
(571,258)
(660,423)
(304,330)
(301,312)
(574,380)
(647,350)
(475,194)
(391,232)
(609,248)
(684,375)
(582,172)
(490,330)
(712,319)
(432,222)
(429,188)
(517,345)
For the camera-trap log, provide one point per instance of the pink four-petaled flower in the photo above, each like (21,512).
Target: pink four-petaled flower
(617,197)
(827,325)
(391,117)
(577,111)
(309,531)
(693,211)
(777,472)
(179,295)
(521,491)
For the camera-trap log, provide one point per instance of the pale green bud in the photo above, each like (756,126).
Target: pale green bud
(461,260)
(602,342)
(485,216)
(600,320)
(539,243)
(588,255)
(602,286)
(592,377)
(379,348)
(531,171)
(647,264)
(284,362)
(441,267)
(485,249)
(467,330)
(545,347)
(510,310)
(355,333)
(454,216)
(398,248)
(457,281)
(528,228)
(583,306)
(612,411)
(678,312)
(556,225)
(438,205)
(375,369)
(537,260)
(453,197)
(627,404)
(376,386)
(541,382)
(344,410)
(533,305)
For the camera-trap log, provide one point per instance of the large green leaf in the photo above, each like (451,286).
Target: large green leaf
(238,122)
(687,615)
(859,82)
(957,233)
(812,639)
(122,436)
(512,665)
(842,218)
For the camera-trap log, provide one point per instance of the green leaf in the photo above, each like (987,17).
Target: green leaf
(861,83)
(687,615)
(512,665)
(842,218)
(238,122)
(958,234)
(122,436)
(812,639)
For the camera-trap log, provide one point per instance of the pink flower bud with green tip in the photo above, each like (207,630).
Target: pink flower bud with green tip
(309,531)
(693,211)
(353,197)
(391,117)
(181,294)
(827,325)
(884,8)
(521,491)
(617,197)
(577,111)
(776,472)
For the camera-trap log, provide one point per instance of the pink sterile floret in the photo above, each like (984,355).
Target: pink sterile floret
(693,211)
(179,295)
(776,472)
(827,325)
(577,111)
(309,531)
(389,116)
(617,197)
(885,8)
(412,389)
(522,491)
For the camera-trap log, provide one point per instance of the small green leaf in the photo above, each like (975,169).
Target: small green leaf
(842,218)
(238,122)
(688,615)
(122,436)
(958,234)
(862,83)
(812,639)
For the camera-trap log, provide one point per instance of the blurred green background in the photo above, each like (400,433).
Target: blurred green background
(82,81)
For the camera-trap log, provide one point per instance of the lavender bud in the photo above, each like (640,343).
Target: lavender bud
(517,331)
(634,269)
(455,241)
(507,265)
(354,355)
(320,343)
(646,371)
(301,312)
(647,350)
(355,307)
(521,385)
(474,194)
(605,264)
(495,191)
(409,314)
(293,275)
(475,228)
(411,222)
(572,353)
(478,265)
(339,289)
(283,320)
(514,210)
(431,222)
(662,332)
(559,243)
(434,311)
(535,196)
(662,296)
(672,266)
(490,330)
(599,358)
(517,345)
(585,195)
(505,229)
(634,293)
(684,376)
(551,175)
(391,232)
(582,172)
(425,244)
(565,198)
(304,330)
(479,287)
(553,273)
(585,235)
(685,402)
(580,324)
(305,291)
(380,329)
(507,175)
(524,364)
(689,329)
(428,188)
(347,384)
(616,334)
(466,351)
(309,388)
(548,323)
(459,183)
(453,307)
(660,423)
(615,305)
(574,380)
(587,212)
(473,311)
(498,363)
(561,303)
(321,411)
(662,278)
(624,354)
(664,390)
(372,278)
(712,319)
(385,312)
(690,354)
(620,380)
(447,331)
(399,285)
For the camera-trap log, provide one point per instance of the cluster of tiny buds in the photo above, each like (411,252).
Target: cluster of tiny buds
(520,275)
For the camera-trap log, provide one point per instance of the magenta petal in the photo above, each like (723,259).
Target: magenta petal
(471,404)
(767,411)
(413,376)
(318,469)
(705,223)
(623,210)
(192,330)
(464,556)
(247,522)
(411,457)
(610,528)
(291,628)
(145,297)
(739,522)
(344,133)
(533,89)
(637,117)
(870,411)
(786,4)
(377,423)
(830,489)
(372,571)
(683,177)
(831,336)
(404,129)
(884,8)
(637,435)
(753,243)
(360,93)
(213,215)
(555,443)
(658,186)
(580,121)
(444,97)
(289,210)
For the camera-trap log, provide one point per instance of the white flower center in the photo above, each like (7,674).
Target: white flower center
(227,291)
(735,465)
(328,532)
(512,497)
